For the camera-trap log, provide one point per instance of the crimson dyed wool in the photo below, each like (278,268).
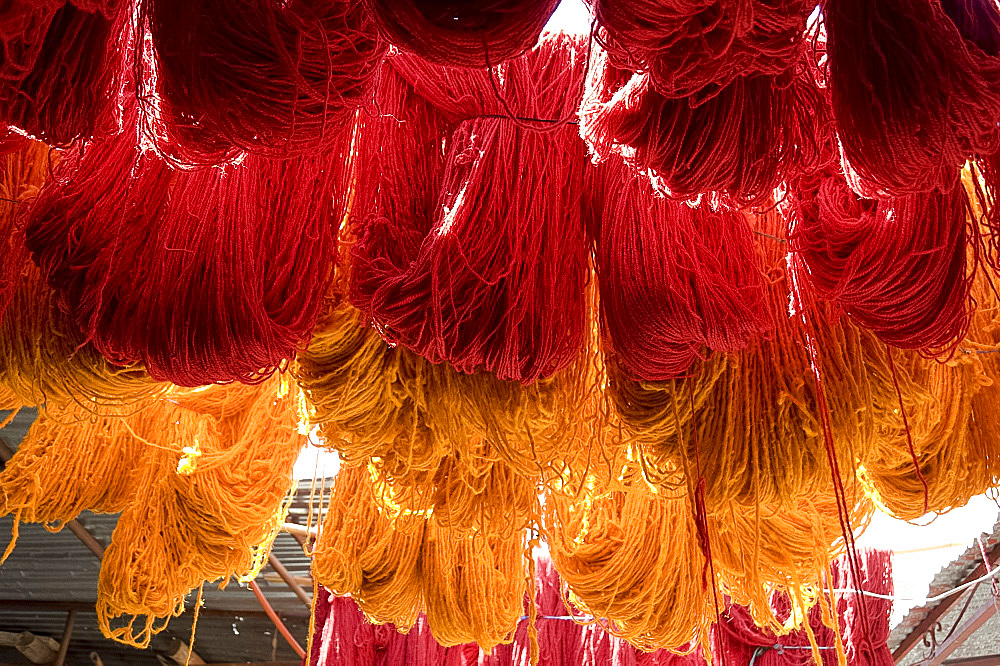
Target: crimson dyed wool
(343,636)
(690,270)
(206,276)
(61,69)
(265,77)
(916,89)
(897,267)
(461,33)
(697,47)
(741,141)
(471,247)
(863,623)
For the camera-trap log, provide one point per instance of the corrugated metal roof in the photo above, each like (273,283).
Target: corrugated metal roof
(48,573)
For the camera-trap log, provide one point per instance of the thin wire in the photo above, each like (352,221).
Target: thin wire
(925,600)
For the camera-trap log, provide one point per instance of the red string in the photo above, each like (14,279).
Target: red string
(698,47)
(460,33)
(471,245)
(674,278)
(906,427)
(897,267)
(61,72)
(265,77)
(741,141)
(916,89)
(206,276)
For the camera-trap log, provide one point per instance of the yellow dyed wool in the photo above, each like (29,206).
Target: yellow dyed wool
(474,586)
(748,421)
(368,554)
(788,549)
(633,557)
(44,363)
(211,502)
(469,448)
(60,470)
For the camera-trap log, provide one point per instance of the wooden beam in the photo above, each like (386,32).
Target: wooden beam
(955,641)
(916,635)
(988,660)
(67,636)
(280,569)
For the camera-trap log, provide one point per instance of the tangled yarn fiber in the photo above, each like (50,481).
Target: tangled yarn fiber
(264,77)
(205,276)
(488,273)
(462,34)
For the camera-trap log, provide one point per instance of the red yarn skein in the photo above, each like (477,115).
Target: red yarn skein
(489,272)
(898,267)
(61,73)
(916,89)
(459,33)
(673,278)
(269,78)
(213,275)
(698,47)
(739,142)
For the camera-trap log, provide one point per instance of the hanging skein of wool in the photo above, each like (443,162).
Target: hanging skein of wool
(269,78)
(437,436)
(937,400)
(372,556)
(207,276)
(739,142)
(697,48)
(862,621)
(758,550)
(691,270)
(473,491)
(897,266)
(211,501)
(748,421)
(633,557)
(489,274)
(45,363)
(916,88)
(24,165)
(61,469)
(474,586)
(462,34)
(62,73)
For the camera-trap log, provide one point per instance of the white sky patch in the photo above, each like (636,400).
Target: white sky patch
(572,17)
(912,572)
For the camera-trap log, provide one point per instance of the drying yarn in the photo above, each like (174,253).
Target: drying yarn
(690,269)
(896,266)
(740,142)
(24,165)
(61,469)
(62,71)
(487,274)
(915,87)
(633,558)
(467,449)
(474,586)
(264,77)
(748,422)
(208,505)
(206,276)
(463,34)
(694,49)
(370,555)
